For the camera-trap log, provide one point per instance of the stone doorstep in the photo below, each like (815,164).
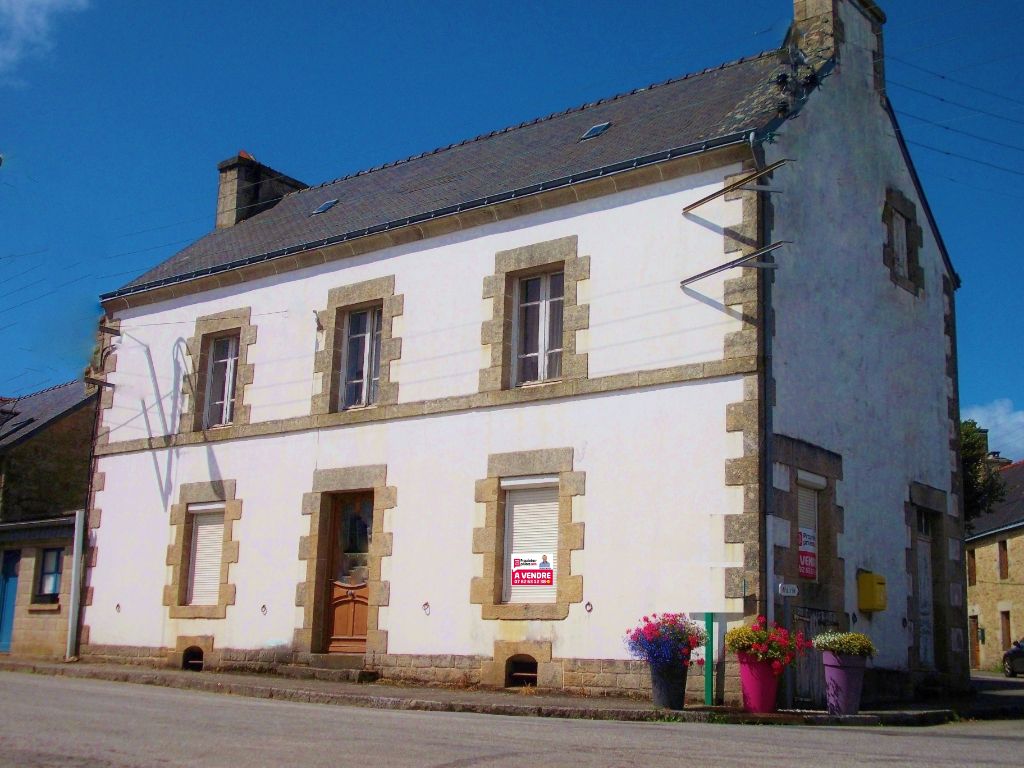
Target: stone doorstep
(337,660)
(406,698)
(334,675)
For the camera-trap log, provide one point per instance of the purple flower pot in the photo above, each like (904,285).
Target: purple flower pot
(668,685)
(844,679)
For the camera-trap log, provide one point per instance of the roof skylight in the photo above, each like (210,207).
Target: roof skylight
(326,206)
(595,130)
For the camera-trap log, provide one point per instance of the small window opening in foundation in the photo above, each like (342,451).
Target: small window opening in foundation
(521,671)
(192,659)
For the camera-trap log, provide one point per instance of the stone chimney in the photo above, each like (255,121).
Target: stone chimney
(248,187)
(818,28)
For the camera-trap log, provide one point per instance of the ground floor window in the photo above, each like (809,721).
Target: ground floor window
(51,563)
(207,546)
(531,539)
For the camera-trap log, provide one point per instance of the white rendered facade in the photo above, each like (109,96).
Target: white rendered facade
(683,478)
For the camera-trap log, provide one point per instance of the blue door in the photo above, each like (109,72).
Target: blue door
(8,593)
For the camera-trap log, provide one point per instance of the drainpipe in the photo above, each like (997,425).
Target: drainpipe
(82,515)
(76,584)
(766,484)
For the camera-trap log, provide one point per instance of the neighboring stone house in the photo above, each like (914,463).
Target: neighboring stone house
(995,573)
(45,441)
(348,430)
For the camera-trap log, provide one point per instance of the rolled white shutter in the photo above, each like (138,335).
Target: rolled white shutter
(531,516)
(807,502)
(207,546)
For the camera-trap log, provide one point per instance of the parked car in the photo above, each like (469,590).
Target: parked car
(1013,659)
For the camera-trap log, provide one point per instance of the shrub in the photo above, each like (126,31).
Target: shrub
(665,638)
(775,644)
(850,643)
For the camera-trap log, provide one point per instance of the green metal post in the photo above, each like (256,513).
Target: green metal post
(709,660)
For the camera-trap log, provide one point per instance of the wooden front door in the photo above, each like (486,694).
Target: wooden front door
(348,572)
(973,639)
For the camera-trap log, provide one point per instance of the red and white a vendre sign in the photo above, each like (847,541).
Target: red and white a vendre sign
(532,569)
(807,551)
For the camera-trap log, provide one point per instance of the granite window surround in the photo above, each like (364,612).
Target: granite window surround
(499,288)
(489,540)
(207,329)
(180,551)
(329,357)
(898,203)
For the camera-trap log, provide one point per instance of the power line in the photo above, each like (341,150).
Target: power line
(955,81)
(989,62)
(965,157)
(22,274)
(998,192)
(961,105)
(962,133)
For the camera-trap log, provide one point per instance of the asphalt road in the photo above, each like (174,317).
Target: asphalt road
(93,724)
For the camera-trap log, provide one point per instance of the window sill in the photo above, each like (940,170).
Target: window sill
(198,611)
(526,611)
(368,407)
(533,384)
(44,608)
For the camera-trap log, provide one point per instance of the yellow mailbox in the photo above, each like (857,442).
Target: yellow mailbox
(871,592)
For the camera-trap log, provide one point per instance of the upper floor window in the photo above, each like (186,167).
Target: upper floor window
(537,327)
(904,238)
(222,364)
(1004,560)
(361,382)
(899,244)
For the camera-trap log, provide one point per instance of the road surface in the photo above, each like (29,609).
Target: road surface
(95,724)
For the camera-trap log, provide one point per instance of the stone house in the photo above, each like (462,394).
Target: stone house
(995,573)
(348,430)
(45,441)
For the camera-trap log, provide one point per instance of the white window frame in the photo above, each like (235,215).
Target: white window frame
(544,318)
(224,414)
(371,356)
(516,484)
(216,507)
(42,592)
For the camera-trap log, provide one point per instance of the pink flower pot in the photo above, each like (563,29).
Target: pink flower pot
(758,683)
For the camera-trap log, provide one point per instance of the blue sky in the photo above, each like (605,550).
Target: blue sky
(114,114)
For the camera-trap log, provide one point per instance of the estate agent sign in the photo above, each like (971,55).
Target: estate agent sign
(532,569)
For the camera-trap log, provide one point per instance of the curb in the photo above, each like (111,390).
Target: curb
(308,696)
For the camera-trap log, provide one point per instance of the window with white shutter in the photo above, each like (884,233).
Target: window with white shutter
(807,531)
(205,560)
(531,528)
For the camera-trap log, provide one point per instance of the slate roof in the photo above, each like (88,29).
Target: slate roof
(1008,512)
(707,108)
(33,412)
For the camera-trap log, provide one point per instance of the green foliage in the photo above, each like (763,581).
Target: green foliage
(767,643)
(983,487)
(851,643)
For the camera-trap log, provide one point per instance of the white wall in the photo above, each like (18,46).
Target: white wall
(654,463)
(640,245)
(859,362)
